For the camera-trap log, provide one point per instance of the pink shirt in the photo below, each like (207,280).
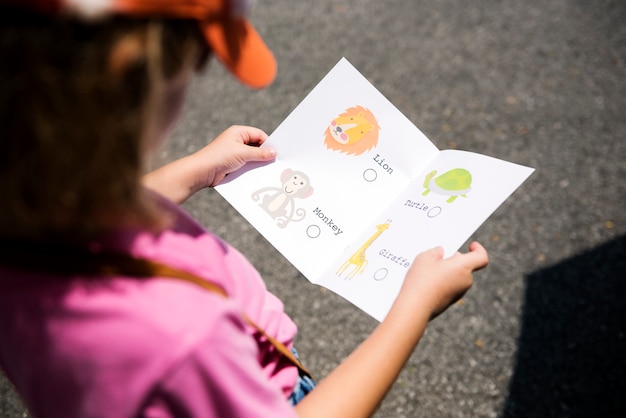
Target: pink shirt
(127,347)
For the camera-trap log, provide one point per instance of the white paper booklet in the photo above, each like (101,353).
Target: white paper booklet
(357,191)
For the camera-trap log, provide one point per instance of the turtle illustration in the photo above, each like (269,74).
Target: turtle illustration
(453,183)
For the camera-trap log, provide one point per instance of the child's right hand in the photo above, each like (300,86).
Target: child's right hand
(439,282)
(431,285)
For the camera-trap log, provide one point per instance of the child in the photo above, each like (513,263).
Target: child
(103,306)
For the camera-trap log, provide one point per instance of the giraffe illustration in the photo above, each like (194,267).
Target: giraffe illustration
(358,260)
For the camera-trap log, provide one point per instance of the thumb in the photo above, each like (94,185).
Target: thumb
(480,257)
(475,259)
(259,154)
(435,253)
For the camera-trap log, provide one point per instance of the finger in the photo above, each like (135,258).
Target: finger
(477,256)
(258,154)
(253,136)
(268,153)
(477,246)
(434,254)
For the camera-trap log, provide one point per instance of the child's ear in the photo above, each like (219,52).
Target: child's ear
(126,52)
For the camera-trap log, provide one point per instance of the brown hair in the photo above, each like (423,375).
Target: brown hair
(73,120)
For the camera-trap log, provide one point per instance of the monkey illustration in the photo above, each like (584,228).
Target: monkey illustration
(279,203)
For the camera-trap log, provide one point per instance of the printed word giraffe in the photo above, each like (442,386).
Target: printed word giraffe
(358,260)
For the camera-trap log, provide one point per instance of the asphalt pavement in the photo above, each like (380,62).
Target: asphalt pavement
(541,83)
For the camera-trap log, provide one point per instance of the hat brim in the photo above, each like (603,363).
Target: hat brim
(240,49)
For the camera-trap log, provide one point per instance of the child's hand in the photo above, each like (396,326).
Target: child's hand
(230,151)
(431,285)
(436,283)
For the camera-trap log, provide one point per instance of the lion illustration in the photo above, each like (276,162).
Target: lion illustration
(353,132)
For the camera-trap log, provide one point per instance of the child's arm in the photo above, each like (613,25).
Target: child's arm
(228,152)
(357,386)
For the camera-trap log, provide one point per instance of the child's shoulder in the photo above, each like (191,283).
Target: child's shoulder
(115,333)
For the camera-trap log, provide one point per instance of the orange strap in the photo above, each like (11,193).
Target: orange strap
(64,261)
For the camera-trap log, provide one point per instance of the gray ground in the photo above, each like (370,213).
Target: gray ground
(543,332)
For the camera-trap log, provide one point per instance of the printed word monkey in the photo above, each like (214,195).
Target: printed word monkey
(279,203)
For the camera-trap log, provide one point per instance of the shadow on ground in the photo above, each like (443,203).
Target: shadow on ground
(571,357)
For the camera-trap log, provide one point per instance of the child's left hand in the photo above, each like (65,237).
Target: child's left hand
(231,150)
